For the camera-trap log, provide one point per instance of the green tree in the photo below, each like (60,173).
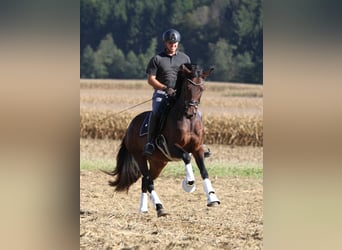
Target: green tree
(178,9)
(87,63)
(244,64)
(222,60)
(228,34)
(150,52)
(109,59)
(133,65)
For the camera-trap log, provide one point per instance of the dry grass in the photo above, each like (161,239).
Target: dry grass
(232,113)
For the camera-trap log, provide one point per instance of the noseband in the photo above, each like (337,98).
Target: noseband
(192,104)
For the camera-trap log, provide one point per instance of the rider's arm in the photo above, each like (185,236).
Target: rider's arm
(152,80)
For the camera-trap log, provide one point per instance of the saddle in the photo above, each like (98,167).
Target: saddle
(159,127)
(162,112)
(160,140)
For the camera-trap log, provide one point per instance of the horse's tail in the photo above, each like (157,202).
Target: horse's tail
(127,170)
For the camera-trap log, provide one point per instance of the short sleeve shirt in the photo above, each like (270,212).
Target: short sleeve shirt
(165,67)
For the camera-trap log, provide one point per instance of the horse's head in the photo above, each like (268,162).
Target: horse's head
(192,87)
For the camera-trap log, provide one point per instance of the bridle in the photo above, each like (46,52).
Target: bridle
(192,104)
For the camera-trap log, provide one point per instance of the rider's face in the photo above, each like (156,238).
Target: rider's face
(171,47)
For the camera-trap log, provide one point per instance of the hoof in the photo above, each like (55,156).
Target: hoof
(188,188)
(143,210)
(161,212)
(213,201)
(213,204)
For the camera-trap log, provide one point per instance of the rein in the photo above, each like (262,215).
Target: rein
(131,107)
(193,83)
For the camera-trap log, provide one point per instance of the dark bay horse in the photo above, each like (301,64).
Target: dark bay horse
(180,138)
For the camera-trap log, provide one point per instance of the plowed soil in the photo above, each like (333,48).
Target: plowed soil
(110,220)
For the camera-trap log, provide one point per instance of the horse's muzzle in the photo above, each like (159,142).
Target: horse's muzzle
(191,112)
(191,109)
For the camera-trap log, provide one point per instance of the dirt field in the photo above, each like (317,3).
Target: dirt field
(111,220)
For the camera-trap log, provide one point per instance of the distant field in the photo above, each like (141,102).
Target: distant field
(232,113)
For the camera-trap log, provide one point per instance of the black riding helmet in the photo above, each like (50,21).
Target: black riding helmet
(171,36)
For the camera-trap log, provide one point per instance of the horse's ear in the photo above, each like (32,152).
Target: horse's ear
(184,68)
(205,74)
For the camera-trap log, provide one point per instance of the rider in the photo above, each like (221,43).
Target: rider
(162,75)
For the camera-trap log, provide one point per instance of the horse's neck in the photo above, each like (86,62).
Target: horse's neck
(174,113)
(179,107)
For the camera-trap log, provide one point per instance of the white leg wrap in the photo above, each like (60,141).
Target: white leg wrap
(155,198)
(189,172)
(208,188)
(188,188)
(144,203)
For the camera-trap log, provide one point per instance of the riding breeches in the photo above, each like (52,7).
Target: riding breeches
(158,98)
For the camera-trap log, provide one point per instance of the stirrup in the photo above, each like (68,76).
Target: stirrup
(207,152)
(148,149)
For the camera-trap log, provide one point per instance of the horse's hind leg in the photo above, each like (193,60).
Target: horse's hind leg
(144,197)
(148,185)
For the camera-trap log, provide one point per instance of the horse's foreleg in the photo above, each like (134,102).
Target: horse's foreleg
(212,199)
(209,190)
(188,183)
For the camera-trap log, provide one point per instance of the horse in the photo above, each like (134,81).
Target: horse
(180,137)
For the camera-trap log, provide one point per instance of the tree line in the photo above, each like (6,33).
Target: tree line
(119,37)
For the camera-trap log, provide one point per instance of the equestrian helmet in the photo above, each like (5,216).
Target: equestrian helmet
(171,36)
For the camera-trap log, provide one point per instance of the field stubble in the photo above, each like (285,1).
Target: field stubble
(111,220)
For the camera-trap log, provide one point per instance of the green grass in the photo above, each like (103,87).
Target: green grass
(220,170)
(177,169)
(96,165)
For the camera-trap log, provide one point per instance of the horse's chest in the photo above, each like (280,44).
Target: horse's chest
(189,130)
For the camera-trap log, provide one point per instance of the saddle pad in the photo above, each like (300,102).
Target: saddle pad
(144,125)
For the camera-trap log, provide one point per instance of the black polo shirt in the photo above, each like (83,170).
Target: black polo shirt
(165,67)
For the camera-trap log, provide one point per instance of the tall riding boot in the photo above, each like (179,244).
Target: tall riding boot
(149,146)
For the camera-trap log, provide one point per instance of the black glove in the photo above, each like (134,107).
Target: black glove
(170,91)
